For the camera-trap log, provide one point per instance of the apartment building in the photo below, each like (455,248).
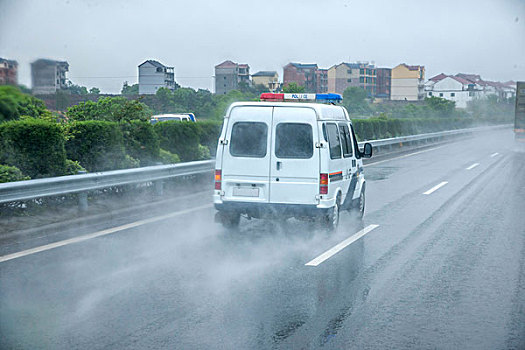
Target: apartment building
(383,83)
(269,79)
(8,72)
(228,76)
(48,76)
(408,83)
(153,75)
(305,75)
(343,75)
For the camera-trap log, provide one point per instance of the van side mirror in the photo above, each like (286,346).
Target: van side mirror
(367,151)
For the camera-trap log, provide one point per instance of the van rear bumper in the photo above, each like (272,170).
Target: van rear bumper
(258,210)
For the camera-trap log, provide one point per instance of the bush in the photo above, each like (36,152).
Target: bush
(204,153)
(73,167)
(11,173)
(34,146)
(141,141)
(181,138)
(97,145)
(209,132)
(168,158)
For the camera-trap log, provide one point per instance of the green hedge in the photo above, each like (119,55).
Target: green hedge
(38,147)
(97,145)
(181,138)
(141,142)
(34,146)
(209,132)
(11,173)
(380,128)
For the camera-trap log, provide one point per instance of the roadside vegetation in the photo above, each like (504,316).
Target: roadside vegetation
(115,133)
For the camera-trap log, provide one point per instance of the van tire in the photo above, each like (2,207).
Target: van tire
(360,208)
(331,220)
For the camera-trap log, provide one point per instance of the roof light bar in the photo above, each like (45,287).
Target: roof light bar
(273,97)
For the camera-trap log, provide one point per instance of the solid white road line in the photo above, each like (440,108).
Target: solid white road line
(336,249)
(472,166)
(403,156)
(493,155)
(99,233)
(435,188)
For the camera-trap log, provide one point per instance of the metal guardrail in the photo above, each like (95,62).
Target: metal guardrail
(82,183)
(55,186)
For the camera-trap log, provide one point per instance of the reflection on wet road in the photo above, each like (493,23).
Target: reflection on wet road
(443,270)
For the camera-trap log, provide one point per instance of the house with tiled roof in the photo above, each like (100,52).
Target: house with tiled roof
(269,79)
(453,88)
(153,75)
(228,76)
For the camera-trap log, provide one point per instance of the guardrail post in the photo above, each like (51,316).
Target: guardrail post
(82,201)
(159,187)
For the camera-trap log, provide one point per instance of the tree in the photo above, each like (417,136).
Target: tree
(354,99)
(129,89)
(75,89)
(14,104)
(293,88)
(116,109)
(440,107)
(94,91)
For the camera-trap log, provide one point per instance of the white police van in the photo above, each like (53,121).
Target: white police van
(288,159)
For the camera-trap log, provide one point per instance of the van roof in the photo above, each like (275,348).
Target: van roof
(323,111)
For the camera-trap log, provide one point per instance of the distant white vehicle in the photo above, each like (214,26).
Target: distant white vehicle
(190,117)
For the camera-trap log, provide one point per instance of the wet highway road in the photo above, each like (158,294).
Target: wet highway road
(444,269)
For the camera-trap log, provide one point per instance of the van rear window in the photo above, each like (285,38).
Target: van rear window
(249,139)
(294,140)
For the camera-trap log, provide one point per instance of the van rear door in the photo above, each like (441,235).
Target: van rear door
(294,168)
(246,154)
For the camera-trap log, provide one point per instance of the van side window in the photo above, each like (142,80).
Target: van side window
(346,140)
(332,134)
(294,140)
(355,142)
(249,139)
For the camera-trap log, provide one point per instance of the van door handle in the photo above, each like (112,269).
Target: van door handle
(279,165)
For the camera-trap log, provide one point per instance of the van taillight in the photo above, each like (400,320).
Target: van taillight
(218,178)
(323,184)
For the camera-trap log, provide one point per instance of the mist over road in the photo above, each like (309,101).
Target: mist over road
(444,268)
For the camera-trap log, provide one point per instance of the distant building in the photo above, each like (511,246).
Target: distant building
(463,88)
(153,75)
(8,72)
(453,88)
(322,80)
(48,76)
(408,83)
(302,74)
(228,76)
(269,79)
(383,83)
(344,75)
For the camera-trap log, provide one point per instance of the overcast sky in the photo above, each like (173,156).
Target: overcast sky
(105,40)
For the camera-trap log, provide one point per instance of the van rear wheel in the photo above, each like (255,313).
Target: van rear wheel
(331,220)
(361,204)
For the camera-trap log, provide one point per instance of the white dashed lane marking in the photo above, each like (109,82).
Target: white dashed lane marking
(435,188)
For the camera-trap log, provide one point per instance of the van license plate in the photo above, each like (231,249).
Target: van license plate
(246,191)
